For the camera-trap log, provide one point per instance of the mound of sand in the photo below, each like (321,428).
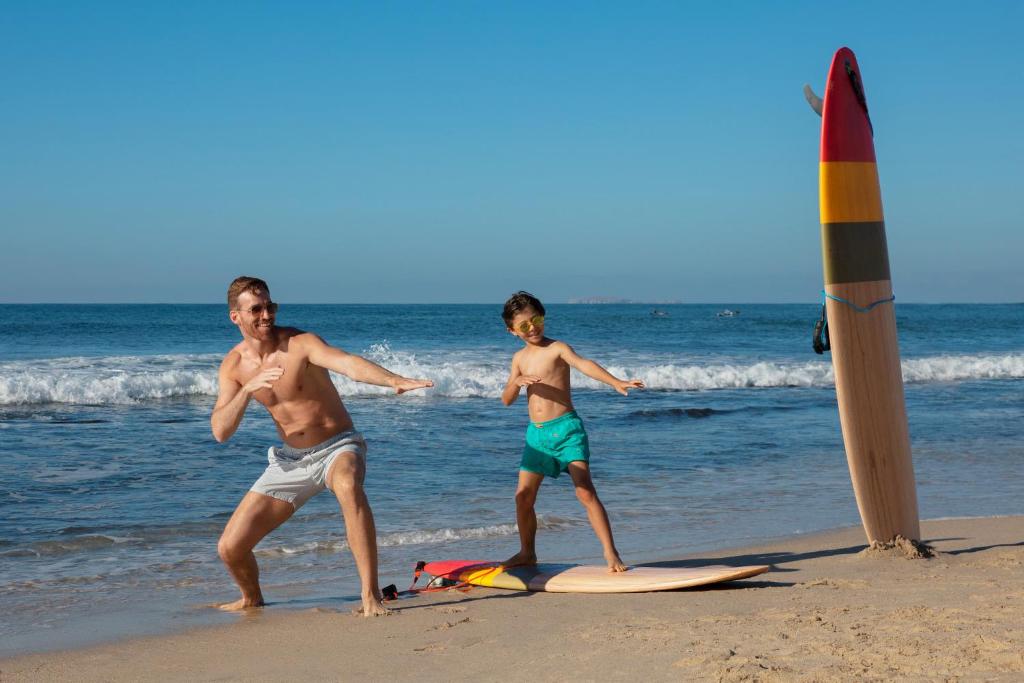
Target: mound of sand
(899,547)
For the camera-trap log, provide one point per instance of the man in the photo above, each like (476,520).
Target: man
(286,370)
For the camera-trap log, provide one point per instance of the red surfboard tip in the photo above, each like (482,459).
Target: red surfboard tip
(846,131)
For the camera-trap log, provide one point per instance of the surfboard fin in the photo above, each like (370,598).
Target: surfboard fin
(816,104)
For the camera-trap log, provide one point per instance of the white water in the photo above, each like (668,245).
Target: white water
(131,379)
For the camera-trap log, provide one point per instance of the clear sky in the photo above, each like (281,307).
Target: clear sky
(455,152)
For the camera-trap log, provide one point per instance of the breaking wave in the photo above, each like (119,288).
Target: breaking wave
(132,379)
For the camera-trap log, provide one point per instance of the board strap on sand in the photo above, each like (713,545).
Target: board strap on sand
(437,584)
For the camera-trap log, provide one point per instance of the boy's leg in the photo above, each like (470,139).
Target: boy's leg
(255,517)
(587,494)
(526,518)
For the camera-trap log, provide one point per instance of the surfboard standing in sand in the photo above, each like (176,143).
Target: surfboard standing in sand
(859,301)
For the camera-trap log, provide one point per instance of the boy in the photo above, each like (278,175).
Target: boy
(555,440)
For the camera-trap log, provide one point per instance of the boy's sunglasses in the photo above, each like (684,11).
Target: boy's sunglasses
(270,307)
(536,321)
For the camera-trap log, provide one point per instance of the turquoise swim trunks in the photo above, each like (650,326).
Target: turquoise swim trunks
(552,445)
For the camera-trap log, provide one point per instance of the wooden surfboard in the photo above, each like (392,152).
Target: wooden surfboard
(861,319)
(574,578)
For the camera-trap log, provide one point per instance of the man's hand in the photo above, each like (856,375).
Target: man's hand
(623,386)
(263,380)
(403,384)
(526,380)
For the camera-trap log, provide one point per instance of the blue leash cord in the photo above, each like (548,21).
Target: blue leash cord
(854,306)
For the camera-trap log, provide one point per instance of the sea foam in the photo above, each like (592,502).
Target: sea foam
(422,537)
(131,379)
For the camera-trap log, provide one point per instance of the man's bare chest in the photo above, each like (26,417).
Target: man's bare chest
(293,383)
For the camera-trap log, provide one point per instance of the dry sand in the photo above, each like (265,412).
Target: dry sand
(827,611)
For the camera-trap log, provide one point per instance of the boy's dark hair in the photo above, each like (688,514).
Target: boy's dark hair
(520,301)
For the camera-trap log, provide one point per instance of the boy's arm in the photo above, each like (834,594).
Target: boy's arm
(595,371)
(355,367)
(233,399)
(516,381)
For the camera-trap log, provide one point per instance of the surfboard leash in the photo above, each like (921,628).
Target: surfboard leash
(820,340)
(859,309)
(391,592)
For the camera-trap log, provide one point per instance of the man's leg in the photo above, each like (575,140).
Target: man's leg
(587,494)
(526,518)
(345,479)
(255,517)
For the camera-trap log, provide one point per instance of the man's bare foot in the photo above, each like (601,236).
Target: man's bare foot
(520,559)
(373,607)
(240,604)
(615,564)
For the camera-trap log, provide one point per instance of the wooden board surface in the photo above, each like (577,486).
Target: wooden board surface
(574,578)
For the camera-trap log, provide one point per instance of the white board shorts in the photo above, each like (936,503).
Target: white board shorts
(295,475)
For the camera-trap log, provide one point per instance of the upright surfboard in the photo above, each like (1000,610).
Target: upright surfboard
(574,578)
(861,319)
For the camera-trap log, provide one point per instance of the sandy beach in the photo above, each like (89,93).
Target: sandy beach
(828,610)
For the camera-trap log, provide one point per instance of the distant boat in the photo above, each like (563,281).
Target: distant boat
(657,313)
(728,313)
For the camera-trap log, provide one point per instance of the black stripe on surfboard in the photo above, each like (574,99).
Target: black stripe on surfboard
(854,252)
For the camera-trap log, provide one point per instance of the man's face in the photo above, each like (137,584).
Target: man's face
(254,314)
(528,325)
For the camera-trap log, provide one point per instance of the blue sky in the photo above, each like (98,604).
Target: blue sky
(455,152)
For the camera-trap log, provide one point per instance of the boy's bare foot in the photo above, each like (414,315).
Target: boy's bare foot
(240,604)
(615,564)
(520,559)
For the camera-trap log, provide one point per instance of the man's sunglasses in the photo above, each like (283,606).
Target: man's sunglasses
(536,321)
(270,307)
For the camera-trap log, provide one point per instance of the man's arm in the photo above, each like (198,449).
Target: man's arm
(516,381)
(355,367)
(595,371)
(233,398)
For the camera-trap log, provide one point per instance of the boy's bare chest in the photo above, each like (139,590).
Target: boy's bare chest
(543,364)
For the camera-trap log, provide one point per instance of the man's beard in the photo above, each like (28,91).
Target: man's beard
(260,330)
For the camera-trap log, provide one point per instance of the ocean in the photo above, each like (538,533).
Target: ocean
(114,491)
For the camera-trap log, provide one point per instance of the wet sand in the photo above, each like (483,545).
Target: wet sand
(826,611)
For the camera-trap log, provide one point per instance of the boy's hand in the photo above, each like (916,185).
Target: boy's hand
(623,386)
(403,384)
(526,380)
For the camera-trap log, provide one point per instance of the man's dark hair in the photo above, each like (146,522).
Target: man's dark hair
(520,301)
(253,285)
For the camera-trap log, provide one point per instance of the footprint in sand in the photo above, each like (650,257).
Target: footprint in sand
(448,609)
(835,584)
(430,647)
(450,624)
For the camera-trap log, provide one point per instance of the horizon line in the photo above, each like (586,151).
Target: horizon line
(491,303)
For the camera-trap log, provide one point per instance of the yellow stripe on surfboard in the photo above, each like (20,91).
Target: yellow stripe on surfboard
(849,192)
(483,576)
